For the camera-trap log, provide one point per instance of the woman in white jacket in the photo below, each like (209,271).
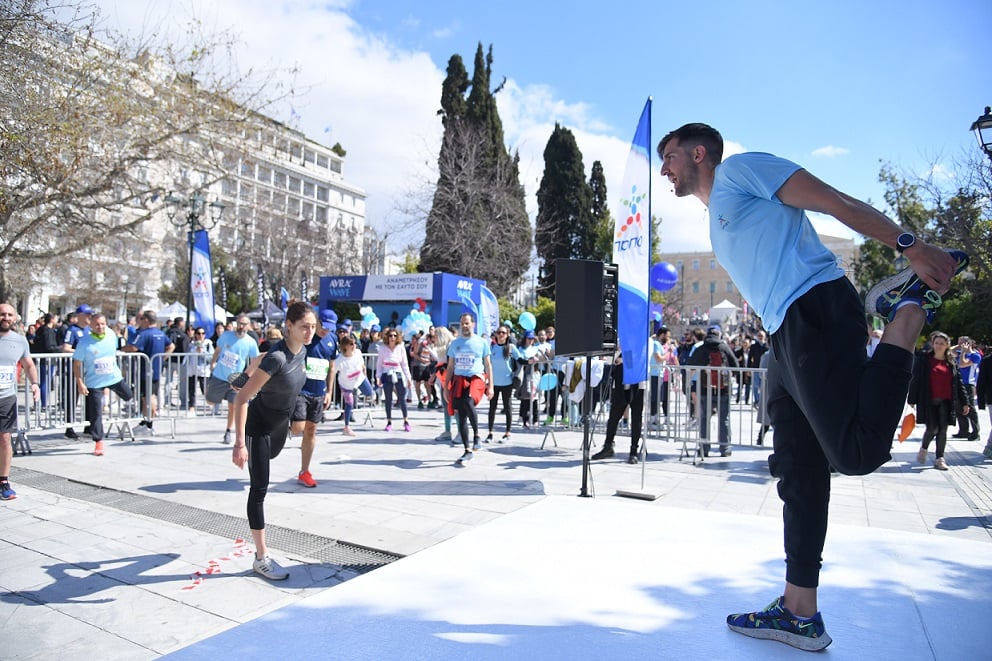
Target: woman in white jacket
(392,370)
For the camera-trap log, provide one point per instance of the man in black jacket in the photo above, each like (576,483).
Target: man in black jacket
(714,387)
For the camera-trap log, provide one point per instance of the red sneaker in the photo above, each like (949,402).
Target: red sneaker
(98,450)
(306,479)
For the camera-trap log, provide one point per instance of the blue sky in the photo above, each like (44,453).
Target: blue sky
(836,86)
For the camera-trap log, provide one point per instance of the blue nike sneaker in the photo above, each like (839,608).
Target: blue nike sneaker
(905,287)
(776,622)
(6,493)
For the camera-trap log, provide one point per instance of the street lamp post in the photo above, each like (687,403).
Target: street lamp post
(983,131)
(195,217)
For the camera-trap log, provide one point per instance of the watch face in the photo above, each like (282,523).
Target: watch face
(905,240)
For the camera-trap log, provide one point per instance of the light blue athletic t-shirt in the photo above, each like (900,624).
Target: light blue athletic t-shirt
(235,354)
(468,353)
(504,367)
(99,359)
(770,250)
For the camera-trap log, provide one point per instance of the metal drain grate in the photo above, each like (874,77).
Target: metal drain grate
(293,542)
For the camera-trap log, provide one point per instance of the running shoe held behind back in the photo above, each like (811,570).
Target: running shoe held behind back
(905,287)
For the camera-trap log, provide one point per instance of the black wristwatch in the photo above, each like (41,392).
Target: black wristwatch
(905,241)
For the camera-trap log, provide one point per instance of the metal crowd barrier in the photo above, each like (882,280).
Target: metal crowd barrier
(61,407)
(695,411)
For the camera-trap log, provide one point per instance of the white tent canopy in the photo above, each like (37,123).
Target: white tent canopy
(177,309)
(723,312)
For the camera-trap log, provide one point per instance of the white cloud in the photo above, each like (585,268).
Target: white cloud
(380,102)
(830,151)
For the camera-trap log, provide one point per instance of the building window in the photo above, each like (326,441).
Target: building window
(336,166)
(695,265)
(247,192)
(264,174)
(730,287)
(322,215)
(294,184)
(321,161)
(307,211)
(322,194)
(279,180)
(248,169)
(712,264)
(679,265)
(293,207)
(228,187)
(308,189)
(309,156)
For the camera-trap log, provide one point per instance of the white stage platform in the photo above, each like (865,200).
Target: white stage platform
(611,578)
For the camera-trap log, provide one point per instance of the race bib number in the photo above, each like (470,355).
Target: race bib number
(317,368)
(7,376)
(464,361)
(230,360)
(104,366)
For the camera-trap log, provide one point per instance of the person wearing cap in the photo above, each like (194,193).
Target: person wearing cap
(530,355)
(713,387)
(315,397)
(233,352)
(78,326)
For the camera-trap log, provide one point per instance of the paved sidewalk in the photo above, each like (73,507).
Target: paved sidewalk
(146,550)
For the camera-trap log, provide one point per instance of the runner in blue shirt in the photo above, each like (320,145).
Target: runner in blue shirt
(469,374)
(830,405)
(315,397)
(234,350)
(94,364)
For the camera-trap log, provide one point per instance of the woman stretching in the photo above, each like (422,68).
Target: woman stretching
(261,419)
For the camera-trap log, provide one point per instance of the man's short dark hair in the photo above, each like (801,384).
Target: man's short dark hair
(691,135)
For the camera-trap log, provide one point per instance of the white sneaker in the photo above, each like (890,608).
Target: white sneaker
(227,437)
(270,569)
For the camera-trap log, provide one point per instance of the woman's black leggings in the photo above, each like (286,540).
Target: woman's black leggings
(388,385)
(262,448)
(504,392)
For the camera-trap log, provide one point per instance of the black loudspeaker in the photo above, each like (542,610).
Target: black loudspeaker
(585,307)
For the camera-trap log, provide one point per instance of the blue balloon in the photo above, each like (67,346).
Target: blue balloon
(527,321)
(663,276)
(548,381)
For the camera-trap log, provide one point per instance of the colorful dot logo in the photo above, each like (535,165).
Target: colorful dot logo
(634,216)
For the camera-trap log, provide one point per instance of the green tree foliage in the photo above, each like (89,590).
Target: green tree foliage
(478,224)
(602,218)
(959,217)
(91,128)
(565,222)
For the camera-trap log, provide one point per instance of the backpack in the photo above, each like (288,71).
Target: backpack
(717,375)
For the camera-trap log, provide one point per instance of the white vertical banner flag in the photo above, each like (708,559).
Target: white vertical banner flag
(201,283)
(632,252)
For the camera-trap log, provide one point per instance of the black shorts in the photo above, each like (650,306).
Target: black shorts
(141,388)
(8,415)
(421,372)
(309,408)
